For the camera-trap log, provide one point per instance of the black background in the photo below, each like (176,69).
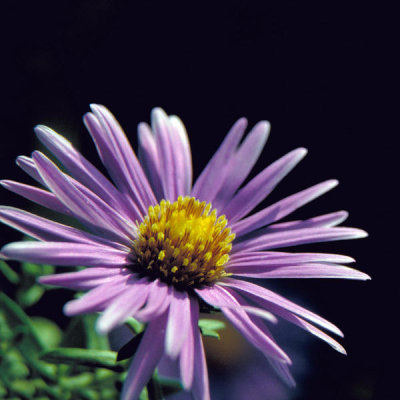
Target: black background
(322,74)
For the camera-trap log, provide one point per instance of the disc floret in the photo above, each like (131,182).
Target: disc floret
(183,243)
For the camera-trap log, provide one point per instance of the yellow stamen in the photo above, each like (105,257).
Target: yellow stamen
(184,243)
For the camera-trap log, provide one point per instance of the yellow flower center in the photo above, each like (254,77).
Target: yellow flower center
(183,243)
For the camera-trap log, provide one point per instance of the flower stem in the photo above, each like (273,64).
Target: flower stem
(154,391)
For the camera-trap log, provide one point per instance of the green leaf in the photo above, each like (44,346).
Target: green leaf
(8,272)
(78,381)
(130,348)
(89,358)
(93,339)
(29,296)
(134,325)
(75,334)
(48,331)
(3,391)
(210,333)
(211,324)
(23,387)
(18,320)
(13,365)
(6,333)
(209,327)
(170,386)
(37,269)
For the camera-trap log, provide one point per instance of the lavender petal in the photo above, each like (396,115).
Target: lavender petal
(158,301)
(200,387)
(322,221)
(296,237)
(262,185)
(241,164)
(178,323)
(281,258)
(131,299)
(165,149)
(48,230)
(66,254)
(280,209)
(29,167)
(210,180)
(85,279)
(149,159)
(313,270)
(186,360)
(146,359)
(233,310)
(98,298)
(39,196)
(265,298)
(119,158)
(80,168)
(85,206)
(183,155)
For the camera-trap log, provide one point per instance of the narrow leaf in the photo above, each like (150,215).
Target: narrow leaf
(89,358)
(212,324)
(8,272)
(210,333)
(29,296)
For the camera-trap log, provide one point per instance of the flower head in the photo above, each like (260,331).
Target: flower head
(156,247)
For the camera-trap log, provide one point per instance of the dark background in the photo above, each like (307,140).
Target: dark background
(322,74)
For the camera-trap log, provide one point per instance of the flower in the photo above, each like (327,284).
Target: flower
(160,250)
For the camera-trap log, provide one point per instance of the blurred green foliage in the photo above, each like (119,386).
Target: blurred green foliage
(40,361)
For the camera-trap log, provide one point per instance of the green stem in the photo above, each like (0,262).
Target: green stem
(154,391)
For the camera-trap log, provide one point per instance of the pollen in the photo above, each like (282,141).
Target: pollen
(184,243)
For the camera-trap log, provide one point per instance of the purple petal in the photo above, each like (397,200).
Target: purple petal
(29,167)
(173,150)
(158,301)
(278,210)
(98,298)
(210,180)
(262,185)
(281,368)
(131,299)
(200,388)
(183,155)
(186,360)
(149,159)
(146,359)
(80,168)
(39,196)
(165,148)
(119,157)
(280,258)
(86,279)
(85,205)
(296,237)
(241,164)
(47,230)
(322,221)
(178,323)
(287,315)
(212,296)
(313,270)
(233,310)
(265,298)
(66,254)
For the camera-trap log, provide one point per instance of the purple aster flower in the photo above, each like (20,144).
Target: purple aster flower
(160,250)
